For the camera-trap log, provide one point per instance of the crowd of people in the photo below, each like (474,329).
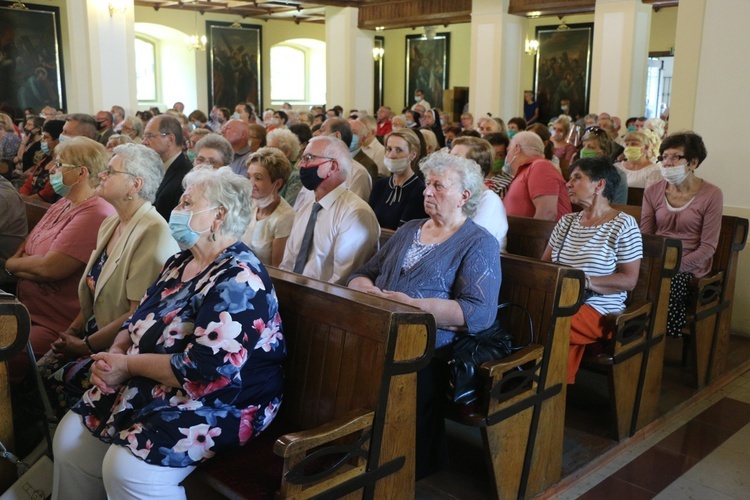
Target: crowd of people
(155,322)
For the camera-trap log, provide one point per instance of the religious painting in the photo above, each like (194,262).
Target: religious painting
(31,66)
(563,70)
(234,71)
(427,67)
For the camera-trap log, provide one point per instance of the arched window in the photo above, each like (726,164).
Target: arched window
(145,70)
(298,72)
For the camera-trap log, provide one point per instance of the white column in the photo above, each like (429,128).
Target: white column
(620,57)
(101,71)
(496,52)
(350,70)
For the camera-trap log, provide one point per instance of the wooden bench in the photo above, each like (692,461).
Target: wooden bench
(350,390)
(710,314)
(635,196)
(15,326)
(35,210)
(633,359)
(522,413)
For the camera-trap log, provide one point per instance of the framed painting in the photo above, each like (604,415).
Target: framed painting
(427,67)
(234,65)
(31,65)
(563,70)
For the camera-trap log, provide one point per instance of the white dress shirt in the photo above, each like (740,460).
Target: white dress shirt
(358,182)
(346,236)
(491,216)
(376,151)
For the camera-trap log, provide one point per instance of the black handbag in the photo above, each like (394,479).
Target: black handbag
(471,350)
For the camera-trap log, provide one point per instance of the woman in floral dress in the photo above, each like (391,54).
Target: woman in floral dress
(194,371)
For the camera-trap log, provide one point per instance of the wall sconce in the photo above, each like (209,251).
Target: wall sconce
(116,6)
(532,46)
(377,53)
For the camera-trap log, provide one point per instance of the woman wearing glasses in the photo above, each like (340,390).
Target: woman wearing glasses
(49,264)
(131,249)
(685,207)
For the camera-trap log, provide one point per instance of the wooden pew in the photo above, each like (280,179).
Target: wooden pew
(633,359)
(710,315)
(35,210)
(522,413)
(350,389)
(15,326)
(635,196)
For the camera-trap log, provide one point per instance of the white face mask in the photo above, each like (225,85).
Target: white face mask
(396,165)
(266,200)
(674,175)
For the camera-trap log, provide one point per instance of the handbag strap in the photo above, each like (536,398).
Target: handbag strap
(562,243)
(508,305)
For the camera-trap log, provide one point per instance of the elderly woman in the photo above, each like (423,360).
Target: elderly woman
(10,141)
(133,127)
(117,140)
(50,263)
(432,122)
(638,167)
(196,370)
(398,198)
(563,148)
(601,241)
(288,143)
(36,186)
(446,265)
(131,249)
(598,143)
(685,207)
(213,151)
(272,217)
(490,213)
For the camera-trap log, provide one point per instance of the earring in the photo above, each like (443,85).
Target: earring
(130,197)
(213,236)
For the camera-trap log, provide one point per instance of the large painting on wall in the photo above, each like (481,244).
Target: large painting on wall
(31,69)
(563,69)
(234,70)
(427,67)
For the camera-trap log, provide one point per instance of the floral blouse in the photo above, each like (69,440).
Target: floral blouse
(223,332)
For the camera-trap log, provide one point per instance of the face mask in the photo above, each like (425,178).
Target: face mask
(64,138)
(235,116)
(45,147)
(56,180)
(564,108)
(309,178)
(674,175)
(633,153)
(497,165)
(409,123)
(355,143)
(588,153)
(442,123)
(99,125)
(511,133)
(448,144)
(396,165)
(179,226)
(190,155)
(507,166)
(417,98)
(266,200)
(631,128)
(213,116)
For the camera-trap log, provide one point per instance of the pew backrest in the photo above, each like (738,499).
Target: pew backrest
(35,210)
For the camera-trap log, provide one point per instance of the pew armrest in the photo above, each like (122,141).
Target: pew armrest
(708,289)
(301,442)
(497,368)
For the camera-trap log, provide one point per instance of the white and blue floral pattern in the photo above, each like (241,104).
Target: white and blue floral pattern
(223,331)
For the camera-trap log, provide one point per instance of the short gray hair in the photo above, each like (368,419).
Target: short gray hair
(142,162)
(469,175)
(219,143)
(136,124)
(370,122)
(288,142)
(336,149)
(222,187)
(530,142)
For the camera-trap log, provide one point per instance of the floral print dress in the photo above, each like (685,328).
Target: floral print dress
(223,332)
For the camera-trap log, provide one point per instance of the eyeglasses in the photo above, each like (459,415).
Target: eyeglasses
(670,158)
(310,157)
(110,171)
(149,136)
(201,160)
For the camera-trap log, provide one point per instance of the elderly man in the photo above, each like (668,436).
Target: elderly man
(467,121)
(78,124)
(359,132)
(334,231)
(133,128)
(244,111)
(385,126)
(118,117)
(237,132)
(163,134)
(13,228)
(48,113)
(213,151)
(104,121)
(371,146)
(358,180)
(179,107)
(488,126)
(538,189)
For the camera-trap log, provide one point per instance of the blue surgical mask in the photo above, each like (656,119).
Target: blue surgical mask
(56,180)
(631,128)
(442,123)
(511,133)
(355,143)
(64,138)
(235,116)
(179,226)
(190,155)
(45,147)
(309,178)
(448,144)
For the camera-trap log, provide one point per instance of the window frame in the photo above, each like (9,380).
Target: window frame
(157,87)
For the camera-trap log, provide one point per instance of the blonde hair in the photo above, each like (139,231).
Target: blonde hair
(84,152)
